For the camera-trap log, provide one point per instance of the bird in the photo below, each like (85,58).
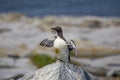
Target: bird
(61,47)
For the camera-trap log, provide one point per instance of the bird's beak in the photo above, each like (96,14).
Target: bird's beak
(53,28)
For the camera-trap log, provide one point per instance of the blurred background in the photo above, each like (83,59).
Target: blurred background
(94,25)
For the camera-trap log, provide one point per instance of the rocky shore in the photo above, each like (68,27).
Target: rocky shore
(97,40)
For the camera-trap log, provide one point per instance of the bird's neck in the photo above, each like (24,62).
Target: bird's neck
(60,34)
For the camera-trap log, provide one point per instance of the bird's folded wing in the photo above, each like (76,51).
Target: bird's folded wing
(72,46)
(48,42)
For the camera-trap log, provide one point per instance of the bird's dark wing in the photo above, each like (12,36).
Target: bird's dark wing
(72,47)
(48,42)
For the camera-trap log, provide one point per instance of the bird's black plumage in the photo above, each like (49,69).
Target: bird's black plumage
(59,31)
(60,45)
(48,42)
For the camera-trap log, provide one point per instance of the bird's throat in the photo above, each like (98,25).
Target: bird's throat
(60,34)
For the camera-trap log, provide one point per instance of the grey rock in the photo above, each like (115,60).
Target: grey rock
(6,62)
(27,76)
(114,73)
(11,69)
(72,72)
(102,66)
(60,71)
(15,73)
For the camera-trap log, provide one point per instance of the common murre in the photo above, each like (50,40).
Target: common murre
(61,47)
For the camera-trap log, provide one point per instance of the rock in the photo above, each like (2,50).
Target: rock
(114,73)
(19,31)
(105,66)
(6,62)
(7,74)
(60,71)
(4,30)
(14,69)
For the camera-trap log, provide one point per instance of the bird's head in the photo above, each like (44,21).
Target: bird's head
(57,29)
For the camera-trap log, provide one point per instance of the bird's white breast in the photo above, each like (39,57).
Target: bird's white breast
(59,43)
(61,49)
